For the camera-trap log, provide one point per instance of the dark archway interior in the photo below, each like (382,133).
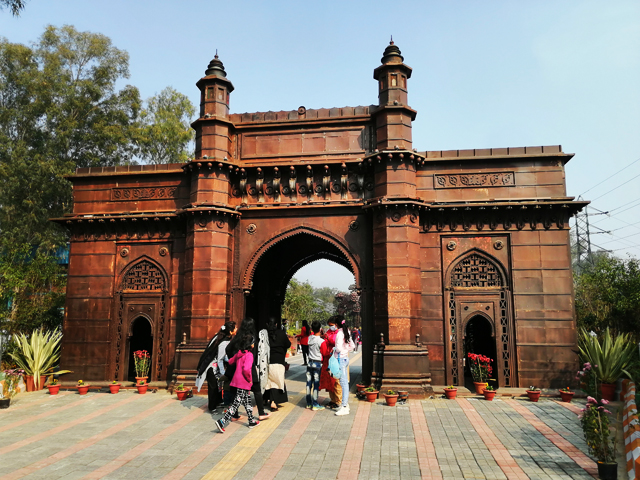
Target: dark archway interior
(478,339)
(141,339)
(276,268)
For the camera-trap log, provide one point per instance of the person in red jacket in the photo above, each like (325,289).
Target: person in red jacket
(303,340)
(327,382)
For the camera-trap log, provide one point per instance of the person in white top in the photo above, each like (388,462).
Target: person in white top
(344,345)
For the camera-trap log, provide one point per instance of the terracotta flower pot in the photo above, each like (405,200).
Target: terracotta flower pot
(450,393)
(534,395)
(371,396)
(608,471)
(608,391)
(391,399)
(53,389)
(182,394)
(489,394)
(83,389)
(114,387)
(360,387)
(403,395)
(142,389)
(31,385)
(5,402)
(480,386)
(567,396)
(141,378)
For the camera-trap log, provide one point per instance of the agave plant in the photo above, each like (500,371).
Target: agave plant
(38,353)
(610,358)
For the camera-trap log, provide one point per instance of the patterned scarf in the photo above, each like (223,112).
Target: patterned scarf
(264,354)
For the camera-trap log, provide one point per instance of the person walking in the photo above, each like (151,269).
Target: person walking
(344,345)
(303,340)
(242,382)
(212,364)
(315,366)
(276,390)
(355,336)
(327,382)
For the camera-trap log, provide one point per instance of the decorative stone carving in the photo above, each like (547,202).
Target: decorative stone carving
(476,180)
(163,251)
(498,245)
(251,229)
(475,271)
(396,216)
(354,225)
(124,252)
(144,276)
(142,193)
(451,246)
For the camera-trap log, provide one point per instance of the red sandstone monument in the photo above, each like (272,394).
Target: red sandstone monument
(452,251)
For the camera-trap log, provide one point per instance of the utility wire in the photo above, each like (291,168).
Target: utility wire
(610,176)
(615,188)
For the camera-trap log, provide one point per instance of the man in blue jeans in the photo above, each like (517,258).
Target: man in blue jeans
(314,366)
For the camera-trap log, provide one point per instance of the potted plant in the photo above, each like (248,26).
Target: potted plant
(403,395)
(114,387)
(54,387)
(371,393)
(600,437)
(450,392)
(609,359)
(534,393)
(480,370)
(83,388)
(142,386)
(391,398)
(489,392)
(37,355)
(566,394)
(360,387)
(9,386)
(142,363)
(181,391)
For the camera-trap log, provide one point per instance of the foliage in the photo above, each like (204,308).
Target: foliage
(81,383)
(533,388)
(565,390)
(370,388)
(10,383)
(597,431)
(32,288)
(14,5)
(608,295)
(489,388)
(180,387)
(348,304)
(142,361)
(391,392)
(451,387)
(588,380)
(39,353)
(609,359)
(480,367)
(300,303)
(166,133)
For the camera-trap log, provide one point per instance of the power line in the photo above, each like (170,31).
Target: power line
(610,176)
(615,188)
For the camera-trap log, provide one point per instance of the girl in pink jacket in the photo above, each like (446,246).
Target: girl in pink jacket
(242,381)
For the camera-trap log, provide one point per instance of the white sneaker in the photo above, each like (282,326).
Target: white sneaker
(343,411)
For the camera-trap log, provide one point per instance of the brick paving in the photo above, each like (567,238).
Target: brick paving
(154,436)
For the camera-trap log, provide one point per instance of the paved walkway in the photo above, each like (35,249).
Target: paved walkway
(154,436)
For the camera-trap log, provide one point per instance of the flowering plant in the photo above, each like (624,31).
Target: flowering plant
(180,387)
(451,387)
(55,381)
(142,361)
(489,388)
(391,392)
(480,367)
(588,380)
(80,383)
(566,390)
(598,433)
(370,388)
(11,380)
(115,382)
(533,388)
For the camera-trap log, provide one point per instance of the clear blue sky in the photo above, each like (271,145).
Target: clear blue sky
(485,74)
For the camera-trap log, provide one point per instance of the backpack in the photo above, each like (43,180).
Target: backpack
(334,367)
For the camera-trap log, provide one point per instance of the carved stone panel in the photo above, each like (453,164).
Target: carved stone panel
(475,180)
(143,193)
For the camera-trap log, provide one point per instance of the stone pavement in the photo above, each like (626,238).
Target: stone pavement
(154,436)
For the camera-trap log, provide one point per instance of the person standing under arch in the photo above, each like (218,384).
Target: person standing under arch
(344,345)
(212,364)
(276,390)
(303,339)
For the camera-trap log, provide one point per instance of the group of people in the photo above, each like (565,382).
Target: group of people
(240,360)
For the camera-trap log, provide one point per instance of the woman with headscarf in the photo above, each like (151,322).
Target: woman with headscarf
(212,364)
(279,343)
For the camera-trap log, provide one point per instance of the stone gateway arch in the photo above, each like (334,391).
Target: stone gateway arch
(452,251)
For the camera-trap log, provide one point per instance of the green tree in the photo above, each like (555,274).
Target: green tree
(16,6)
(167,136)
(608,295)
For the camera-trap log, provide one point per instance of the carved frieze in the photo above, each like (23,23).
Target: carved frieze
(143,193)
(474,180)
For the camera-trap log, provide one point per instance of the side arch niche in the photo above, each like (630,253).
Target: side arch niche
(141,293)
(476,284)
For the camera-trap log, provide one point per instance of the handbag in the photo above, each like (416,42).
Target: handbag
(334,367)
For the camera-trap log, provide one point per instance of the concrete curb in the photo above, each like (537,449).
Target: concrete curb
(631,429)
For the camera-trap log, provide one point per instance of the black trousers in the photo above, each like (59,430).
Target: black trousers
(305,353)
(213,394)
(257,394)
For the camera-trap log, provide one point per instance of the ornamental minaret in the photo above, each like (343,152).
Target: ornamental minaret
(212,128)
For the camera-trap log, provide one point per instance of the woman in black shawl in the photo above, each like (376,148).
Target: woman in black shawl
(211,364)
(276,390)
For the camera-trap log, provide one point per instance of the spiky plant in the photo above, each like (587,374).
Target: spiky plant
(609,358)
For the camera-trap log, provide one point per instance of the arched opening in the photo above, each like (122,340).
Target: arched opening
(479,338)
(141,338)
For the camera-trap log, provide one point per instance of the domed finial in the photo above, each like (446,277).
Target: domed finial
(392,54)
(215,67)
